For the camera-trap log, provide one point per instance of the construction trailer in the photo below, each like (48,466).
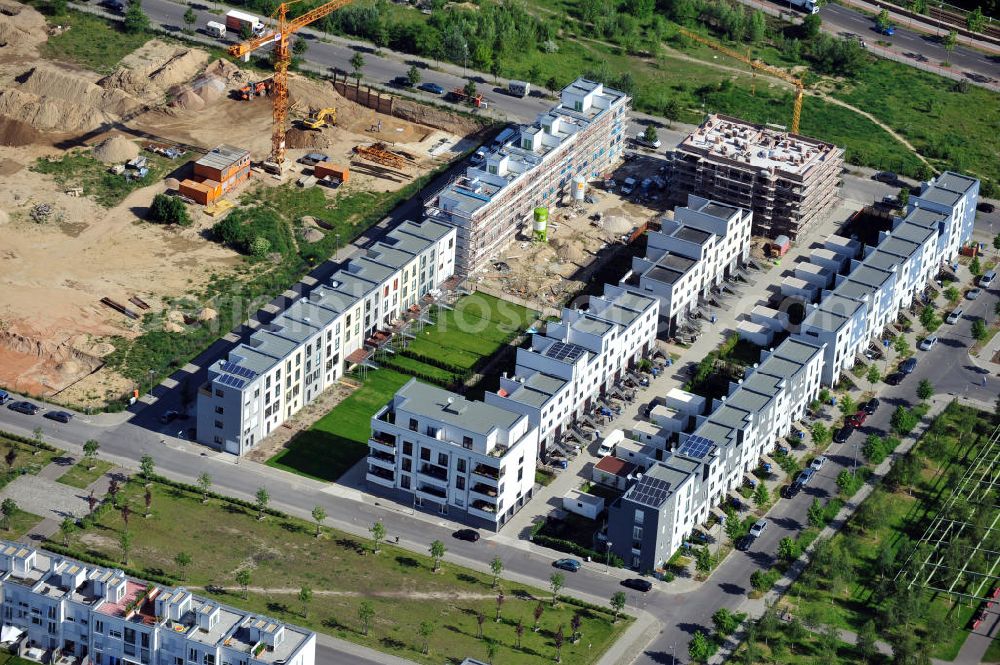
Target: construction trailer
(333,171)
(223,169)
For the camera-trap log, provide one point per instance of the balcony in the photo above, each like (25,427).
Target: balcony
(485,490)
(387,416)
(491,472)
(433,491)
(484,506)
(499,450)
(385,439)
(436,472)
(382,476)
(381,457)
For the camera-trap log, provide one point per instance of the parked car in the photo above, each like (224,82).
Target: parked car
(972,294)
(895,378)
(432,88)
(59,416)
(637,584)
(888,30)
(954,316)
(843,434)
(743,543)
(817,463)
(908,366)
(468,535)
(927,343)
(789,491)
(23,407)
(641,140)
(805,476)
(736,503)
(401,82)
(606,449)
(572,565)
(887,177)
(168,417)
(313,158)
(699,537)
(4,397)
(858,419)
(987,279)
(758,528)
(871,406)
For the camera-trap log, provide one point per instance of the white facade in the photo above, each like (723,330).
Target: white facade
(438,451)
(288,362)
(578,360)
(583,135)
(704,244)
(82,611)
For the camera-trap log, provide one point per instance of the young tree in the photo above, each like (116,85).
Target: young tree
(761,496)
(67,528)
(925,389)
(552,85)
(649,135)
(758,26)
(496,567)
(952,294)
(500,599)
(8,508)
(183,560)
(243,579)
(816,514)
(136,20)
(847,405)
(90,449)
(113,492)
(426,629)
(703,560)
(491,651)
(810,25)
(866,642)
(305,597)
(125,542)
(91,502)
(949,41)
(204,484)
(10,458)
(366,612)
(903,420)
(357,64)
(559,638)
(190,18)
(820,433)
(39,439)
(437,553)
(147,466)
(519,632)
(873,375)
(788,549)
(726,622)
(299,47)
(701,647)
(469,89)
(556,582)
(734,528)
(413,75)
(262,499)
(903,197)
(618,603)
(574,627)
(901,346)
(883,21)
(537,614)
(377,531)
(318,515)
(979,330)
(975,267)
(126,513)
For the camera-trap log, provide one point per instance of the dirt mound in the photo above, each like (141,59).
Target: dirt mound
(172,183)
(53,83)
(188,99)
(301,138)
(617,224)
(128,82)
(46,114)
(15,133)
(22,28)
(312,235)
(116,149)
(182,67)
(226,71)
(207,314)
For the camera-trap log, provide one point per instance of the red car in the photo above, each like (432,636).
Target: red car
(978,618)
(859,418)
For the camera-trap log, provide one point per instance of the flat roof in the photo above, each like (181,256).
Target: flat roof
(796,350)
(720,210)
(955,182)
(748,400)
(731,416)
(423,399)
(691,234)
(592,326)
(223,156)
(615,466)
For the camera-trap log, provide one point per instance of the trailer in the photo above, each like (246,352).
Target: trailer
(216,29)
(519,88)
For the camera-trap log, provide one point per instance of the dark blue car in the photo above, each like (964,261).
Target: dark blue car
(432,88)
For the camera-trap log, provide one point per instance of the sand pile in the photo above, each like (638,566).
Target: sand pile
(188,99)
(226,71)
(21,28)
(172,183)
(129,82)
(115,150)
(48,114)
(50,82)
(207,314)
(15,133)
(181,67)
(306,138)
(617,224)
(312,235)
(568,250)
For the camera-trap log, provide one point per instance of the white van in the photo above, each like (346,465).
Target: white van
(216,29)
(987,279)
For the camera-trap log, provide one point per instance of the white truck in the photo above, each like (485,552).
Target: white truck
(216,29)
(237,20)
(519,88)
(808,6)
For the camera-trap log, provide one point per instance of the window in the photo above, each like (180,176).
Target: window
(467,442)
(413,424)
(407,464)
(218,424)
(219,393)
(425,454)
(637,533)
(461,466)
(460,483)
(639,516)
(442,459)
(405,482)
(99,626)
(220,410)
(407,447)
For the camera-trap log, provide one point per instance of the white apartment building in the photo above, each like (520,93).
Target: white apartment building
(651,520)
(287,363)
(437,451)
(703,245)
(582,136)
(578,360)
(60,607)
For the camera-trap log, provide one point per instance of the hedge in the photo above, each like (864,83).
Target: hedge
(570,547)
(57,548)
(41,445)
(212,495)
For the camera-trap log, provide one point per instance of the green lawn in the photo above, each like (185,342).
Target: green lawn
(899,519)
(82,476)
(27,459)
(476,328)
(340,438)
(20,523)
(91,41)
(992,654)
(283,555)
(79,169)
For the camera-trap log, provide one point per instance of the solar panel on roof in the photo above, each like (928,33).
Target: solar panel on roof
(565,351)
(238,370)
(650,492)
(232,381)
(696,447)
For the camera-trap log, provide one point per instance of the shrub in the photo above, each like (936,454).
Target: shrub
(255,232)
(168,210)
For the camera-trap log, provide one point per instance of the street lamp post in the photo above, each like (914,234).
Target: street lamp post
(854,465)
(152,374)
(607,559)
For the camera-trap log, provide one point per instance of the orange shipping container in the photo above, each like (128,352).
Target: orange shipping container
(201,192)
(341,173)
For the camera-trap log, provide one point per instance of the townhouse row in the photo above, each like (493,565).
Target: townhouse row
(863,291)
(56,608)
(286,363)
(579,138)
(475,461)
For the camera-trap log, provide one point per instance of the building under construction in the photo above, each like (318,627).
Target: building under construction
(578,139)
(787,180)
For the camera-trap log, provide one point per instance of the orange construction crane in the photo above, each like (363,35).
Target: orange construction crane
(757,64)
(279,36)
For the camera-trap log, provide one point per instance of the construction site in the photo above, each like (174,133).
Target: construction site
(82,157)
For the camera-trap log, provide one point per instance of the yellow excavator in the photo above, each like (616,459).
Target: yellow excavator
(325,117)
